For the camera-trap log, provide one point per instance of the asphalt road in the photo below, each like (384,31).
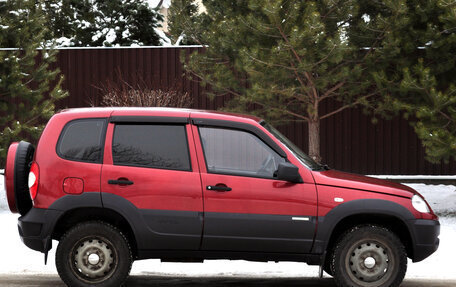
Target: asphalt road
(154,280)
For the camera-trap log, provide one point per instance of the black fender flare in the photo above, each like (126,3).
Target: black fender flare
(327,223)
(131,214)
(73,201)
(68,203)
(103,200)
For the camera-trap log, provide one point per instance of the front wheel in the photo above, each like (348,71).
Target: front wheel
(93,254)
(369,256)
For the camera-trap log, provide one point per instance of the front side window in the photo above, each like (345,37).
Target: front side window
(82,140)
(304,158)
(150,145)
(237,152)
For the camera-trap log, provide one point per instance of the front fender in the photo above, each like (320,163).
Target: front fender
(327,223)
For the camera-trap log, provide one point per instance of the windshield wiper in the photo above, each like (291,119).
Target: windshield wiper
(322,167)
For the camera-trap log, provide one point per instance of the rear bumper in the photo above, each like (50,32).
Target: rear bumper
(425,237)
(35,228)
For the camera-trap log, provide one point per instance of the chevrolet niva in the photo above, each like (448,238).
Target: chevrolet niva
(114,185)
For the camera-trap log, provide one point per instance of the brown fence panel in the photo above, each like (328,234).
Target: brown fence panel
(349,141)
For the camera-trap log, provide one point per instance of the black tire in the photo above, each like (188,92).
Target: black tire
(81,247)
(369,256)
(24,157)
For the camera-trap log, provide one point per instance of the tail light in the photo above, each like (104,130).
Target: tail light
(33,180)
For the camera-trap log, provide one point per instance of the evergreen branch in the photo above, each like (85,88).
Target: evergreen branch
(328,93)
(268,64)
(336,111)
(325,57)
(298,58)
(334,7)
(294,114)
(344,107)
(228,91)
(304,118)
(450,120)
(298,77)
(259,31)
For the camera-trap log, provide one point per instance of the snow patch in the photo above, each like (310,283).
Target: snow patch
(164,40)
(366,18)
(64,41)
(126,33)
(111,36)
(154,3)
(415,177)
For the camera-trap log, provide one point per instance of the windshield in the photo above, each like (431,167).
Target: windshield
(297,152)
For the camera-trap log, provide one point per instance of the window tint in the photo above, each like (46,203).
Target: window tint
(238,152)
(82,140)
(156,146)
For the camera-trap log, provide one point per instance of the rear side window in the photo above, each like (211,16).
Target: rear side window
(82,140)
(154,146)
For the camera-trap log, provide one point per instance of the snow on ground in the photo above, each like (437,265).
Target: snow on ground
(16,258)
(3,201)
(442,198)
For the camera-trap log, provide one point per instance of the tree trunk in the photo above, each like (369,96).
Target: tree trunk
(314,139)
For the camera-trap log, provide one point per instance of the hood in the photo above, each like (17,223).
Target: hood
(361,182)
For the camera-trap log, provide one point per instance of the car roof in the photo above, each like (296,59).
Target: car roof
(157,111)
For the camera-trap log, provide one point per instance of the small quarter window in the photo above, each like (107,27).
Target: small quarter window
(82,140)
(237,152)
(154,146)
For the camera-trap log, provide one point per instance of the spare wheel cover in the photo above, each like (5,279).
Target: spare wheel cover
(23,159)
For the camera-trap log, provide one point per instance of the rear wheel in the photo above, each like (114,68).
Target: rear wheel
(93,254)
(369,256)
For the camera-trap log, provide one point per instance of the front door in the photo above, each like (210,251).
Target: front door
(152,167)
(245,208)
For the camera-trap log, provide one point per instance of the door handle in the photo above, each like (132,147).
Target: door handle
(120,181)
(221,188)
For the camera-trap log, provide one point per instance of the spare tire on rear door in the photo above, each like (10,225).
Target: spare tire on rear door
(18,160)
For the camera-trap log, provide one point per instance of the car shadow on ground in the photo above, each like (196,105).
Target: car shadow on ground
(157,280)
(154,280)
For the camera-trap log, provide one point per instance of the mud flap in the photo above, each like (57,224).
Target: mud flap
(322,263)
(47,243)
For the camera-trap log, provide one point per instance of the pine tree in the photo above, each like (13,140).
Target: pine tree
(285,58)
(28,88)
(185,23)
(103,23)
(416,68)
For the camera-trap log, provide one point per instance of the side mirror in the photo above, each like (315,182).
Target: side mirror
(288,172)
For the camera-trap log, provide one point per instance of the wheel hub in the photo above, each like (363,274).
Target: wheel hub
(93,259)
(368,261)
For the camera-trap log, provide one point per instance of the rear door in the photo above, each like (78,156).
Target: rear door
(150,165)
(246,209)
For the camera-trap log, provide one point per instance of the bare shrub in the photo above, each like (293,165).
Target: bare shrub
(122,94)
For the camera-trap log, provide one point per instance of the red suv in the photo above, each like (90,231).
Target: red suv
(114,185)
